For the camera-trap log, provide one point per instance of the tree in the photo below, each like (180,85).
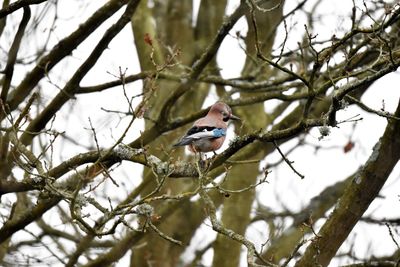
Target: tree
(80,194)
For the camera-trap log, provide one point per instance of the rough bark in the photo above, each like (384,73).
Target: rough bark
(356,199)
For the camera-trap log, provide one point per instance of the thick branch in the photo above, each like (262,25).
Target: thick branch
(202,62)
(61,50)
(12,54)
(357,197)
(17,5)
(43,118)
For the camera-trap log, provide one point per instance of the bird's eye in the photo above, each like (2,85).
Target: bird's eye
(225,116)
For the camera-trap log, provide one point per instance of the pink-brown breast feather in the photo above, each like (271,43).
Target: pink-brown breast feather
(207,145)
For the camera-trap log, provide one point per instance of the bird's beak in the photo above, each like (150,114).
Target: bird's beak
(233,117)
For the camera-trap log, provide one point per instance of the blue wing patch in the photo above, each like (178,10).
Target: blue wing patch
(219,132)
(201,132)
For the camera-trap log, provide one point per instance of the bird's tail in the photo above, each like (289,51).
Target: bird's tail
(184,142)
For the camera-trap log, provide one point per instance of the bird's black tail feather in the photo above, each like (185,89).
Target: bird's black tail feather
(184,142)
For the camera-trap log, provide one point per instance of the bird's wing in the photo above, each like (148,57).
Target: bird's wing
(198,129)
(201,132)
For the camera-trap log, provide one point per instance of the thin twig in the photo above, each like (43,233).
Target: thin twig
(286,160)
(392,236)
(166,237)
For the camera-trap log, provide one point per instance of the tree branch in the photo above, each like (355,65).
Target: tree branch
(357,197)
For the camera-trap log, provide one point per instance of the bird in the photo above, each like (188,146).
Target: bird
(208,133)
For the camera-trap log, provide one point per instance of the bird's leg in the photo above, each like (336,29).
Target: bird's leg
(208,162)
(202,163)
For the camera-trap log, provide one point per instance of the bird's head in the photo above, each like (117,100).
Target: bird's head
(222,109)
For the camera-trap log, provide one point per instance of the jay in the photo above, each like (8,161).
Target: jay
(208,133)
